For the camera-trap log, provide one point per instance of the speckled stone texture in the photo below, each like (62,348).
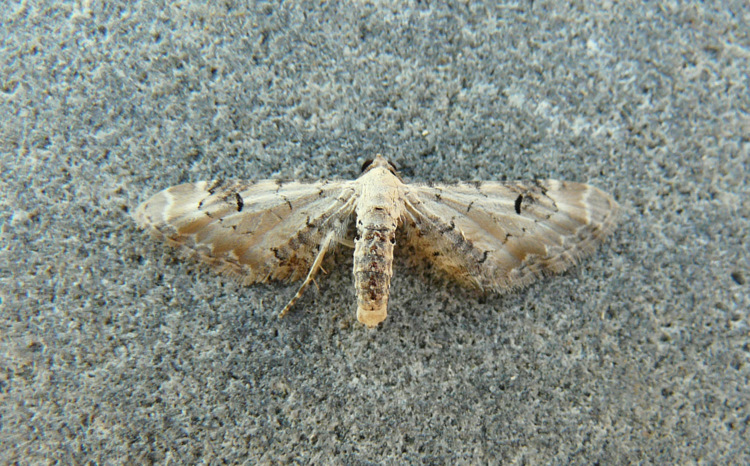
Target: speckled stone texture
(113,350)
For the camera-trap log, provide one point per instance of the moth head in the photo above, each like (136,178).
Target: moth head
(379,161)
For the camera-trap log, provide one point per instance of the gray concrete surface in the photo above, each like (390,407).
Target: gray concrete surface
(113,350)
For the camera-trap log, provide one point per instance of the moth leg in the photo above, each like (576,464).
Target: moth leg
(347,242)
(311,274)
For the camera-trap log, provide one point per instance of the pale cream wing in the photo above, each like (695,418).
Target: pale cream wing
(252,231)
(497,236)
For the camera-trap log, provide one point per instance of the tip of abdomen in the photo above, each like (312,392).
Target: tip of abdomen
(372,315)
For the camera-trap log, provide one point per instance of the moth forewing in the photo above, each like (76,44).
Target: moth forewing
(274,233)
(505,235)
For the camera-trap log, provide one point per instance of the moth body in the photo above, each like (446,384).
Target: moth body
(379,210)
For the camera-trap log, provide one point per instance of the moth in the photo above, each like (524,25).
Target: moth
(489,235)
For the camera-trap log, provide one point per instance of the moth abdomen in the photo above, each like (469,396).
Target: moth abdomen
(373,269)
